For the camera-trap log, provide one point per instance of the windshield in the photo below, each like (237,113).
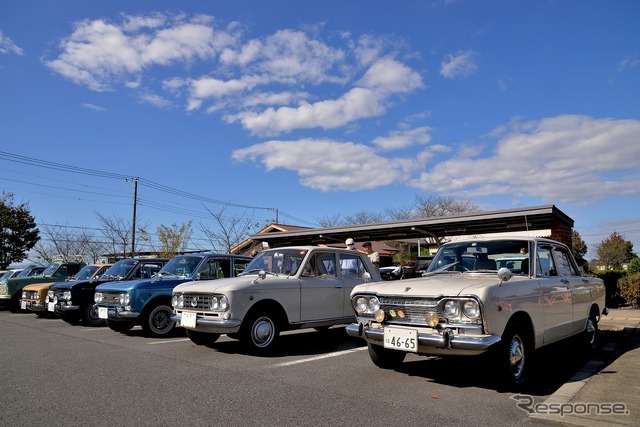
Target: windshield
(182,266)
(482,256)
(50,269)
(85,273)
(120,269)
(8,275)
(31,271)
(278,261)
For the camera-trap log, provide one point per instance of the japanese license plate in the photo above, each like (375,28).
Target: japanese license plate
(51,307)
(188,319)
(401,339)
(103,312)
(23,305)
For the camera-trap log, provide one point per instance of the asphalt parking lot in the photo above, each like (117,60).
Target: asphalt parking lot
(54,373)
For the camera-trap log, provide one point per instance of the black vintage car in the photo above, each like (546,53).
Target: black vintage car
(73,301)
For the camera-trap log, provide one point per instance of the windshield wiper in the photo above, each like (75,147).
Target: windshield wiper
(442,269)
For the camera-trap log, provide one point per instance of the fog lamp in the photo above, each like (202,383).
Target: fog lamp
(379,315)
(432,319)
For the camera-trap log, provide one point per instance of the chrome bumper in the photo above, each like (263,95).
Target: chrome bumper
(67,307)
(116,313)
(218,326)
(429,342)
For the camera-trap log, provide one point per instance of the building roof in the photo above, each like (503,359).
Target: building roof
(509,220)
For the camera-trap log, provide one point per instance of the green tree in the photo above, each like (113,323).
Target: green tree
(615,251)
(579,248)
(18,231)
(173,240)
(634,266)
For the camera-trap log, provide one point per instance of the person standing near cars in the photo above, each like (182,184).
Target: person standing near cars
(373,256)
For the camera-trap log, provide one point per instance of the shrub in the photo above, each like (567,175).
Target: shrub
(630,289)
(611,279)
(634,266)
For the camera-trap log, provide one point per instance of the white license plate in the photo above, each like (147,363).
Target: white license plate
(401,339)
(23,305)
(51,306)
(188,319)
(103,312)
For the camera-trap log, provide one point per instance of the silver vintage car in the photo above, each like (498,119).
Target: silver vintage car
(508,295)
(281,289)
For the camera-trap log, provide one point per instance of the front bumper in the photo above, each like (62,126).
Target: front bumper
(212,325)
(32,305)
(118,312)
(64,308)
(430,341)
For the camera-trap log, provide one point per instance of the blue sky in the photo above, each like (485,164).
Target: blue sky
(317,108)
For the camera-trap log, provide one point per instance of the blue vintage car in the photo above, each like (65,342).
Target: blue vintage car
(148,302)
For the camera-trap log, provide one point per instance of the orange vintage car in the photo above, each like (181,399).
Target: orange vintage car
(33,296)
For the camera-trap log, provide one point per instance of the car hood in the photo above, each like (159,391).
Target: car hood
(433,286)
(70,285)
(39,286)
(130,285)
(227,285)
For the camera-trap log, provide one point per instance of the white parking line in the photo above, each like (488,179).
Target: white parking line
(324,356)
(169,341)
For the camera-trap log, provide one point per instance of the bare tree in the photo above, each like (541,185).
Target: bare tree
(364,217)
(331,220)
(67,241)
(228,231)
(117,232)
(433,205)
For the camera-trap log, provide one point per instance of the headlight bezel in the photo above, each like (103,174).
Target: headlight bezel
(461,309)
(365,305)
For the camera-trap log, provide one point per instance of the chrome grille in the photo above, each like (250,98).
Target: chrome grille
(415,310)
(32,295)
(110,297)
(197,302)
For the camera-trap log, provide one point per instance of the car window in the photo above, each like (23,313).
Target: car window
(563,262)
(239,265)
(351,265)
(215,269)
(546,266)
(147,270)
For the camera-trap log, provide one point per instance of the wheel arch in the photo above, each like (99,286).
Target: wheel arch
(269,306)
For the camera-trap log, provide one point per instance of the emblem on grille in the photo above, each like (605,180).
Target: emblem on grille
(194,302)
(407,289)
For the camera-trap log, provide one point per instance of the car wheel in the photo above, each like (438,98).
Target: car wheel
(202,338)
(90,316)
(385,358)
(590,334)
(516,355)
(157,321)
(121,327)
(261,333)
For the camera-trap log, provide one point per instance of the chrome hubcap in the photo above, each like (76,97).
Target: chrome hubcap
(263,332)
(516,356)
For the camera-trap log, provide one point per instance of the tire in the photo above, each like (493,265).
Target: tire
(385,358)
(157,321)
(90,316)
(121,327)
(202,338)
(260,333)
(590,334)
(516,355)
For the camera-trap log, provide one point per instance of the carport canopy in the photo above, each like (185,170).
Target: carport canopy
(502,221)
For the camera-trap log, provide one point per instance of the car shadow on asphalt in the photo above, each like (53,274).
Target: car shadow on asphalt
(309,343)
(554,365)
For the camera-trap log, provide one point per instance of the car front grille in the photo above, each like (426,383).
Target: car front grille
(408,310)
(111,298)
(200,302)
(32,295)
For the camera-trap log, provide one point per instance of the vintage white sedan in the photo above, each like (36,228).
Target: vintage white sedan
(512,296)
(281,289)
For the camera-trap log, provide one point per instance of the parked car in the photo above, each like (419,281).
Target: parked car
(467,306)
(34,296)
(57,271)
(421,265)
(281,289)
(32,270)
(8,274)
(74,301)
(148,301)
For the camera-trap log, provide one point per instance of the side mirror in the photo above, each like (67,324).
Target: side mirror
(504,274)
(366,276)
(159,276)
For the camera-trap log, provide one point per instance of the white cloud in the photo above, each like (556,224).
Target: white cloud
(404,138)
(567,159)
(93,107)
(99,53)
(155,100)
(628,62)
(325,165)
(459,65)
(8,46)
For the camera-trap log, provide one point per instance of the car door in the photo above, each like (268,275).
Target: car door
(556,295)
(580,289)
(321,290)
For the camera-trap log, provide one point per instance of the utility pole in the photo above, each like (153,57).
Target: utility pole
(135,204)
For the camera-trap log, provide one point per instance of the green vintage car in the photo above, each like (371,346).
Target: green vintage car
(57,271)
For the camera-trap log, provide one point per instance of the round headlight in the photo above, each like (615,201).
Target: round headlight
(24,295)
(125,299)
(46,299)
(451,308)
(214,304)
(97,297)
(55,300)
(174,301)
(471,309)
(361,304)
(373,304)
(224,303)
(66,295)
